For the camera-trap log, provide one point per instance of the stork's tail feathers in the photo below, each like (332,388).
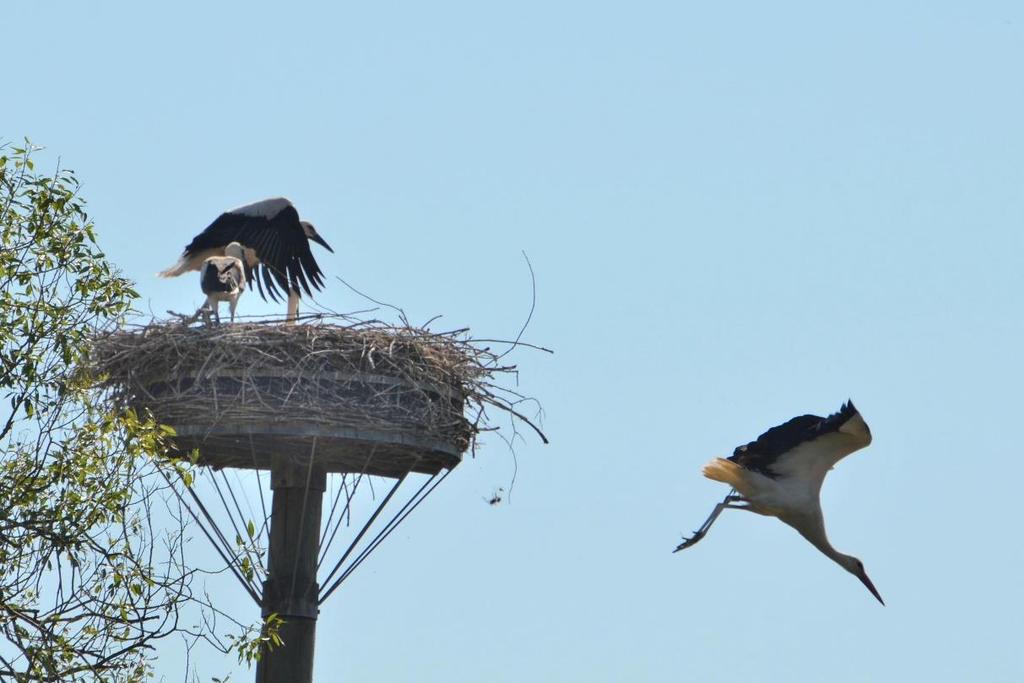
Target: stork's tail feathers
(722,470)
(727,472)
(191,261)
(179,268)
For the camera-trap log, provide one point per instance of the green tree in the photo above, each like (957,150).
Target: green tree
(88,582)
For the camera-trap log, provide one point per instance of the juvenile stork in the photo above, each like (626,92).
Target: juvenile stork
(780,475)
(223,279)
(275,244)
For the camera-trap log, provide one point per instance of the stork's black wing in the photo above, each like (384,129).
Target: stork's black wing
(277,239)
(762,455)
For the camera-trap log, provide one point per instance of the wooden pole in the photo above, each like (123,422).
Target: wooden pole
(290,590)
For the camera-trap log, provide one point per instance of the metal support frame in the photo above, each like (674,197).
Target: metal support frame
(296,550)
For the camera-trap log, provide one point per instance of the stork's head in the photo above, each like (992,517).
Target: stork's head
(312,234)
(856,567)
(236,250)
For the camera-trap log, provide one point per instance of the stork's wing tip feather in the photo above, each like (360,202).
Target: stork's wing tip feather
(846,411)
(850,421)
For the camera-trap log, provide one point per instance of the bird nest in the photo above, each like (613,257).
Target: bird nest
(366,397)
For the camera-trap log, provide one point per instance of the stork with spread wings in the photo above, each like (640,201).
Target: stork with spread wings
(275,245)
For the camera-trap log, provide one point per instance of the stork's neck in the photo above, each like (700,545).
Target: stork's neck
(815,533)
(834,554)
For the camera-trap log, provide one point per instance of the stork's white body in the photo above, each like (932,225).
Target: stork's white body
(798,472)
(781,473)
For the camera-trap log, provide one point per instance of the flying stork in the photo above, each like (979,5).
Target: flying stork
(223,279)
(780,475)
(275,244)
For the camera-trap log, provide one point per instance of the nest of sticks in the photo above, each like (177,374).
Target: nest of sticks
(410,398)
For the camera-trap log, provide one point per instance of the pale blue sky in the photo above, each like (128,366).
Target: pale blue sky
(737,213)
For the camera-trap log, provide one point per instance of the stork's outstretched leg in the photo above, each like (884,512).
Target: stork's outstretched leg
(729,502)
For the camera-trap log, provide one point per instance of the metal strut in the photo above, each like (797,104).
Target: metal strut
(229,558)
(399,517)
(362,532)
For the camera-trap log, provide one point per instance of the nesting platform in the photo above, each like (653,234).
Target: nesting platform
(373,399)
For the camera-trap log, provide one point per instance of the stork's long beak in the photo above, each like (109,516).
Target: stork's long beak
(871,587)
(320,240)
